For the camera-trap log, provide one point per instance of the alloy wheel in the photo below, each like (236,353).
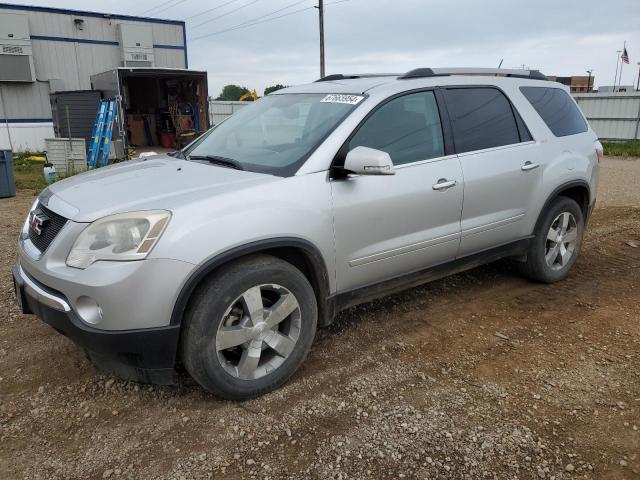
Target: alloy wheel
(561,242)
(258,332)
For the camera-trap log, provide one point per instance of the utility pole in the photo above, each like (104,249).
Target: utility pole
(589,80)
(320,8)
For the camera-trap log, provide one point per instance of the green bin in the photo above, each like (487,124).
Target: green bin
(7,183)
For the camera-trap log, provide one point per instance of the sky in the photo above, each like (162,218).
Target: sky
(563,37)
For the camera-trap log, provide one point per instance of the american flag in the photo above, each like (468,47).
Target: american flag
(625,56)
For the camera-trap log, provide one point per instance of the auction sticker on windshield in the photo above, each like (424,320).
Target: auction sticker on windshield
(341,98)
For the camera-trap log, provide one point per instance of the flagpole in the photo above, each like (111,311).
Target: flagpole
(615,77)
(621,65)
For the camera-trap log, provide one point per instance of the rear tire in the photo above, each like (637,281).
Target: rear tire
(557,242)
(249,327)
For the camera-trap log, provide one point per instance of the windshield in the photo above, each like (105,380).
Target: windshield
(276,134)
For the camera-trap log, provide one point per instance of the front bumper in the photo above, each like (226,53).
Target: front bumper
(147,355)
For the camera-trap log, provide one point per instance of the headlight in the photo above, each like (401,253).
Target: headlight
(122,237)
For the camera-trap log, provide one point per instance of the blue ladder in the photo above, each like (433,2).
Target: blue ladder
(103,158)
(101,135)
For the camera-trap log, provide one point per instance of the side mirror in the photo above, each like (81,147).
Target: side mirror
(368,161)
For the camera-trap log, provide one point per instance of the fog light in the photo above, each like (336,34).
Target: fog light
(89,310)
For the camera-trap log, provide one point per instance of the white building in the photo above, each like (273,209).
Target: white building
(618,88)
(43,50)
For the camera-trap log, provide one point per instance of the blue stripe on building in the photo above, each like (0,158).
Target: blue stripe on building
(4,121)
(96,42)
(73,40)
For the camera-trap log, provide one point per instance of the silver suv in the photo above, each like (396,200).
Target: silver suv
(224,258)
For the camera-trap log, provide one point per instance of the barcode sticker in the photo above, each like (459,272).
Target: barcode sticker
(341,98)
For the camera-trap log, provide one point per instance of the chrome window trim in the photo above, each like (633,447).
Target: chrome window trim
(494,149)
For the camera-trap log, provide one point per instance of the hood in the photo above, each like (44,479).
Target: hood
(161,182)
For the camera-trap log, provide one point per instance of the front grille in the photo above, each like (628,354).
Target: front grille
(48,231)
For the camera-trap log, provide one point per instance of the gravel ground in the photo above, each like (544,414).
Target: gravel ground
(481,375)
(621,177)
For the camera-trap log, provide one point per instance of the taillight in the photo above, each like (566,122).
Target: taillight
(599,151)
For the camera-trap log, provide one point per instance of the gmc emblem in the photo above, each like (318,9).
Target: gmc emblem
(38,221)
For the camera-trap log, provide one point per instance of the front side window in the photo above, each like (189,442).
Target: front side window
(276,134)
(557,109)
(407,128)
(481,118)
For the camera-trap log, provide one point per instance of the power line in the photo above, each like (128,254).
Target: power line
(265,15)
(237,27)
(225,14)
(170,6)
(243,25)
(158,8)
(211,9)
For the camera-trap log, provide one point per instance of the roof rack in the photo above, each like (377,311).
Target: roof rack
(438,72)
(351,76)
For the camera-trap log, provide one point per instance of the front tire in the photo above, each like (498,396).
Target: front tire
(249,327)
(557,242)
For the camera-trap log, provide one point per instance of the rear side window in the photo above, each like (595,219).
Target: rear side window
(557,109)
(407,128)
(481,118)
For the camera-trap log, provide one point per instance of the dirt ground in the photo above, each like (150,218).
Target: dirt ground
(482,375)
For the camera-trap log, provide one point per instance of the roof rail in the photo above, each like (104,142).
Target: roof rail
(437,72)
(351,76)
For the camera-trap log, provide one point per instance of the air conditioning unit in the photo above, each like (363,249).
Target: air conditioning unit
(136,45)
(16,53)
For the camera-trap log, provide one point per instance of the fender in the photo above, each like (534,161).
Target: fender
(557,190)
(320,273)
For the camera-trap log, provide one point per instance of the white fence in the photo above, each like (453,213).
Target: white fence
(613,116)
(219,110)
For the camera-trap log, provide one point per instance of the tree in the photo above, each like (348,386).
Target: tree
(273,88)
(232,92)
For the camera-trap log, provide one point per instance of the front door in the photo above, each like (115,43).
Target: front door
(387,226)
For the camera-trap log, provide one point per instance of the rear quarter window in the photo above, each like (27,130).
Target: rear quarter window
(557,109)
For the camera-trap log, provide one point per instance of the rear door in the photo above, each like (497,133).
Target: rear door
(388,226)
(500,164)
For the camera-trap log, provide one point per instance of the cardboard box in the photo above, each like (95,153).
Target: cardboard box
(137,133)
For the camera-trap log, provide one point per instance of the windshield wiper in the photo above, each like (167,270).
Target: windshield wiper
(216,160)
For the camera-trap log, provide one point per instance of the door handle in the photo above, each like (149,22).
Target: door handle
(444,184)
(529,166)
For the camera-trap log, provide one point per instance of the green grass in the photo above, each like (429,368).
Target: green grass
(622,149)
(28,173)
